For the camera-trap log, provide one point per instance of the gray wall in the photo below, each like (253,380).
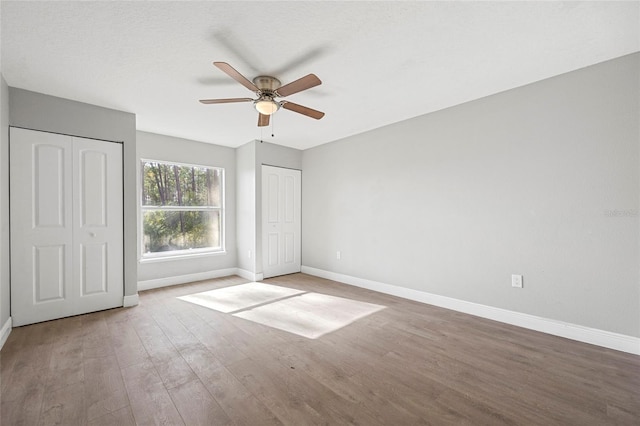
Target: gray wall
(250,158)
(48,113)
(542,181)
(5,286)
(159,147)
(246,206)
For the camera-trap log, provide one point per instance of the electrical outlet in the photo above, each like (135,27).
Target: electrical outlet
(516,281)
(338,255)
(249,254)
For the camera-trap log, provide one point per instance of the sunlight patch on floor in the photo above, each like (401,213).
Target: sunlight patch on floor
(238,297)
(309,315)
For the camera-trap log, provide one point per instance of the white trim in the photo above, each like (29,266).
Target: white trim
(247,275)
(5,331)
(251,276)
(130,301)
(607,339)
(183,279)
(179,255)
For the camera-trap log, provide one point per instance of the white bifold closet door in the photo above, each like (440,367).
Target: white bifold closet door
(281,221)
(66,225)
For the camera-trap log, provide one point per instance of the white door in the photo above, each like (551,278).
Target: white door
(66,225)
(281,192)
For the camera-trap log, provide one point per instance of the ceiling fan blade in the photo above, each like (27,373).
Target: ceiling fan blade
(303,110)
(231,72)
(225,101)
(304,83)
(263,120)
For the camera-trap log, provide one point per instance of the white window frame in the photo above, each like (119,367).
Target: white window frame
(176,254)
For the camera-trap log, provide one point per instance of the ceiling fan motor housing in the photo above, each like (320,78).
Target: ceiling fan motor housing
(266,83)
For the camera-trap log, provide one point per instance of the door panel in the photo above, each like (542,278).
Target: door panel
(289,248)
(41,226)
(289,199)
(49,274)
(281,192)
(97,194)
(66,225)
(49,186)
(273,198)
(93,269)
(273,249)
(93,184)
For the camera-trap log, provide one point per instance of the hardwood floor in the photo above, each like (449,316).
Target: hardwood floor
(171,362)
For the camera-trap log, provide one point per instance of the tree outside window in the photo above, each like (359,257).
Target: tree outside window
(182,208)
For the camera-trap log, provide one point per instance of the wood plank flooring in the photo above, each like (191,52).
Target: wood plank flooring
(170,362)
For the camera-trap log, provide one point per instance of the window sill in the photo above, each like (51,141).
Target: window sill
(172,257)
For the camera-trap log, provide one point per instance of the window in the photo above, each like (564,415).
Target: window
(182,209)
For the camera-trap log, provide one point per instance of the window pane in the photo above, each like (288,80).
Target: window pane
(166,184)
(180,230)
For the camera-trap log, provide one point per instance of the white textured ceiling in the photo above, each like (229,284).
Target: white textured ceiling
(380,62)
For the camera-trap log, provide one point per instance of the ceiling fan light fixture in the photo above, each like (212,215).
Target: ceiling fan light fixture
(266,106)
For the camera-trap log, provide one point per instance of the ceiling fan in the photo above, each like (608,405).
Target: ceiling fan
(267,89)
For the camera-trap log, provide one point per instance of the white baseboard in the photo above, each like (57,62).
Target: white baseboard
(251,276)
(131,300)
(5,331)
(183,279)
(580,333)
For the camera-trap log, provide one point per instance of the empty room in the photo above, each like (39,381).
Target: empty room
(319,212)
